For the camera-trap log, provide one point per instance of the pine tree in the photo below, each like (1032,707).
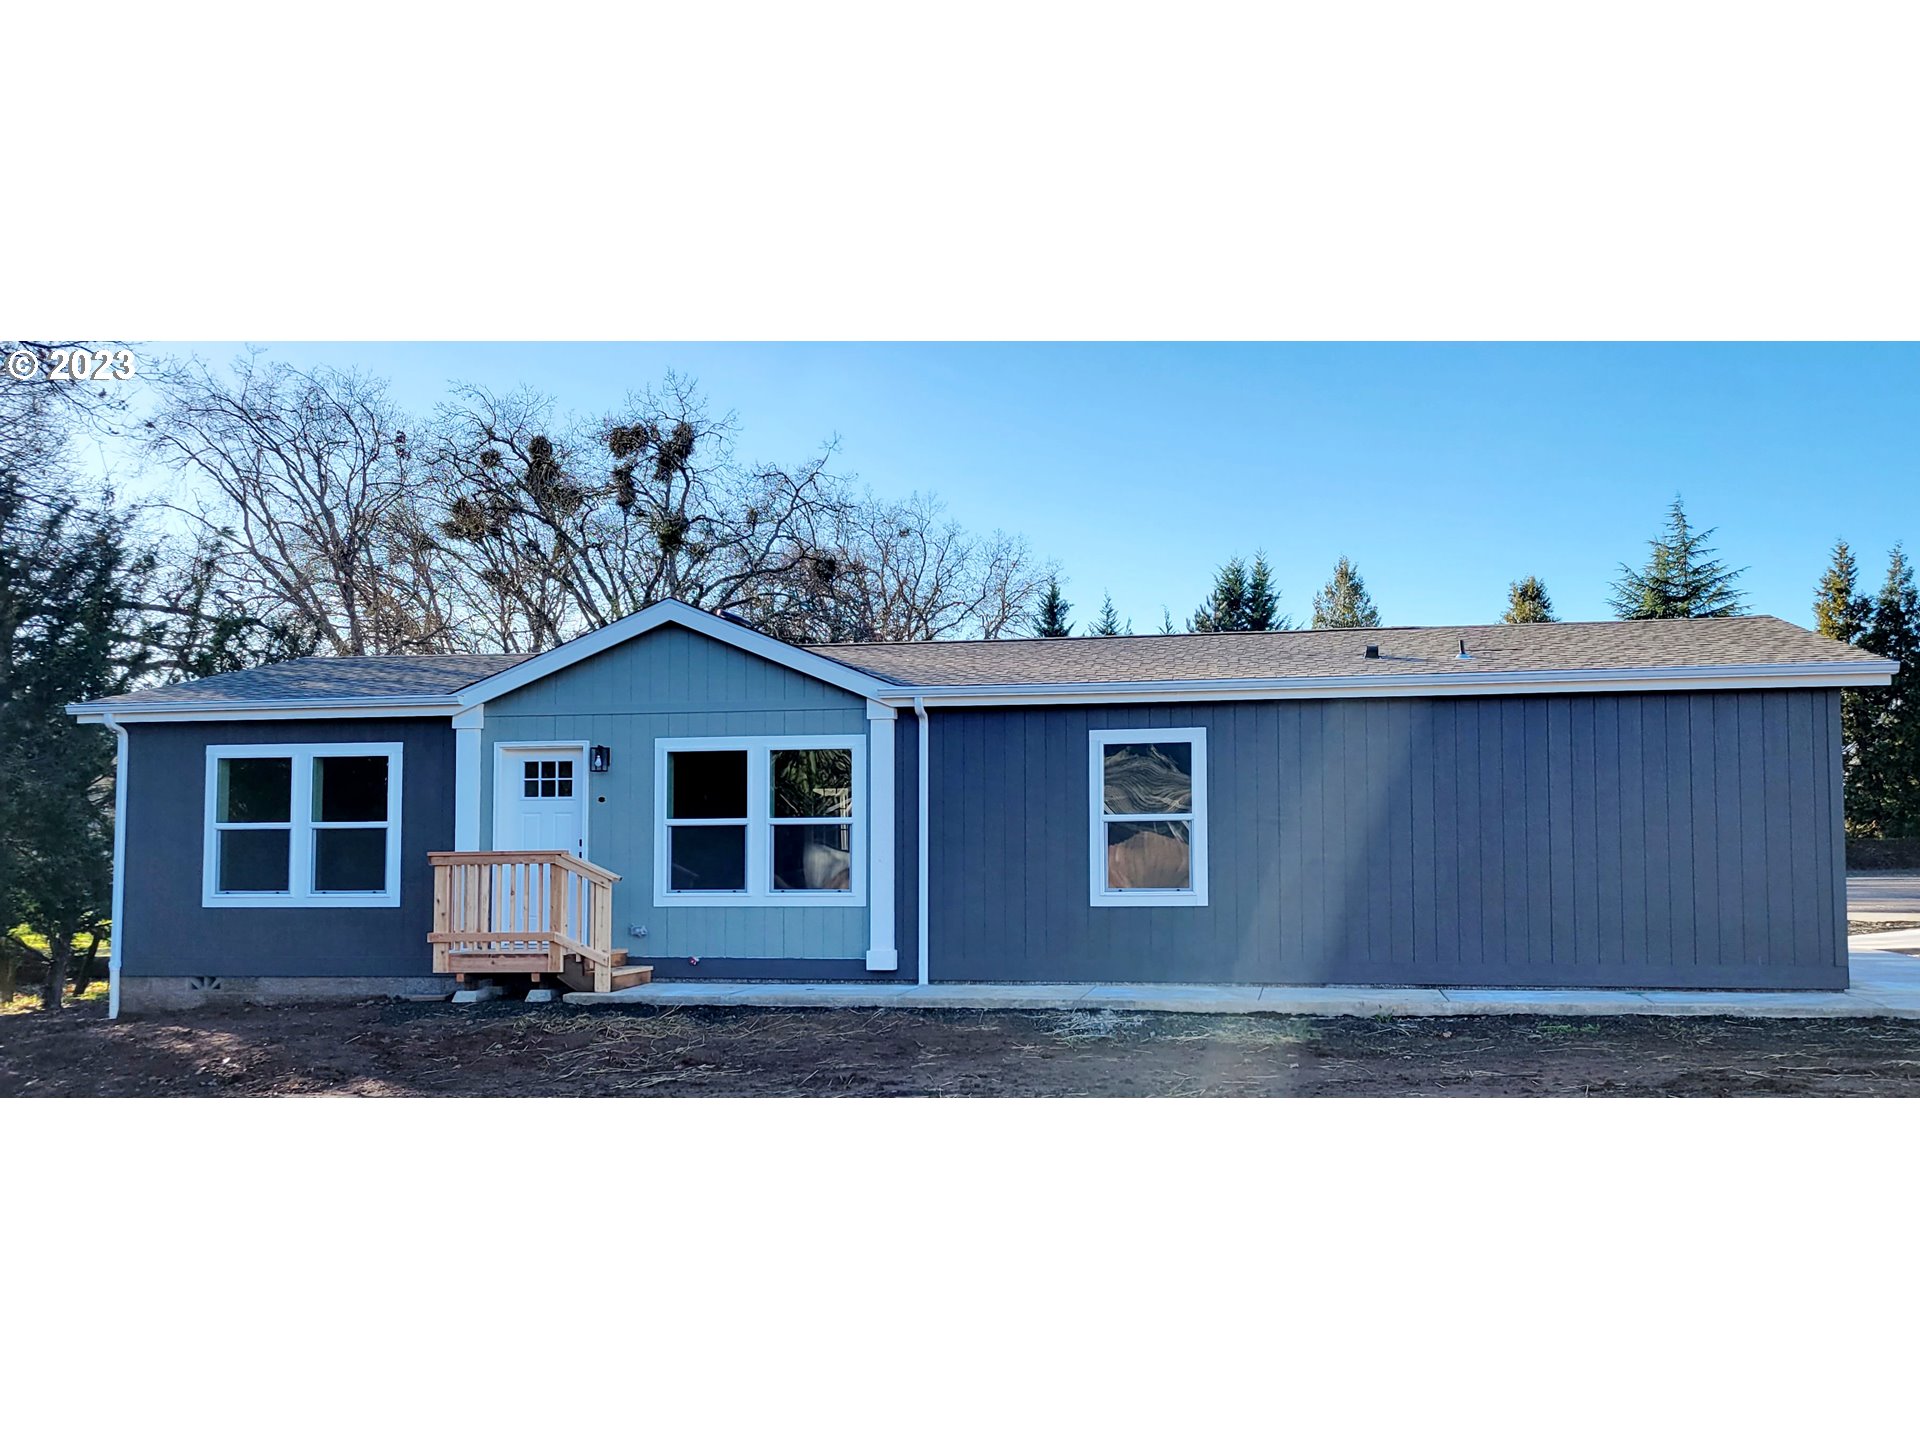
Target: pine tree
(1166,621)
(1884,798)
(1527,603)
(1343,602)
(1840,612)
(1109,621)
(1050,620)
(67,591)
(1681,580)
(1225,608)
(1262,608)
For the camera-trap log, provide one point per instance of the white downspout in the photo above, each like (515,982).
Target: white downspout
(920,849)
(117,936)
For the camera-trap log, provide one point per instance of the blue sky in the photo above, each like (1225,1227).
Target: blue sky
(1445,471)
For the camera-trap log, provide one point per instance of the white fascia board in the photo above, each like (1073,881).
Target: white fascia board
(1517,682)
(674,612)
(414,706)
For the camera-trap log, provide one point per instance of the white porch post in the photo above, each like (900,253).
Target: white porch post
(882,951)
(466,777)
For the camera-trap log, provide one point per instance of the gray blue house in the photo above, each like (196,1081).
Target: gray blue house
(1635,804)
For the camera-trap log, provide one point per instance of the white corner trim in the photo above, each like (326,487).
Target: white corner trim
(760,893)
(921,927)
(882,953)
(1098,819)
(467,780)
(300,827)
(116,933)
(673,612)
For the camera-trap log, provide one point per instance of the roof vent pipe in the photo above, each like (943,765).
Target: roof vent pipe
(1463,649)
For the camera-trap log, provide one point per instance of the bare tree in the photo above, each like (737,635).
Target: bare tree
(567,528)
(298,481)
(906,570)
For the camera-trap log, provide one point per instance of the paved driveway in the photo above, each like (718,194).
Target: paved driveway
(1884,895)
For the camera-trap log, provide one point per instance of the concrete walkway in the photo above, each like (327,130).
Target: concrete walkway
(1883,986)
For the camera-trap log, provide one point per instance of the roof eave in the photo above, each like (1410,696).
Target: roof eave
(1812,675)
(357,708)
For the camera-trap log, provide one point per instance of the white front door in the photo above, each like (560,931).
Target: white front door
(540,801)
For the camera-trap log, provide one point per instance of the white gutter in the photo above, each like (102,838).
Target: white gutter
(116,936)
(376,708)
(920,848)
(1823,674)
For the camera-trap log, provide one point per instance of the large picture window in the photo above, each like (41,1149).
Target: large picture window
(1148,838)
(302,825)
(770,820)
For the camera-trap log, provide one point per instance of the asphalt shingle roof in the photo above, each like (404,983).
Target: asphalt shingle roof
(1340,654)
(1268,655)
(331,677)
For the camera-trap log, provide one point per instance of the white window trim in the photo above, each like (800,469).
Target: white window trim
(300,844)
(760,893)
(1098,893)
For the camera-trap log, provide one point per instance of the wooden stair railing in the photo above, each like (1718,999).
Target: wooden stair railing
(526,912)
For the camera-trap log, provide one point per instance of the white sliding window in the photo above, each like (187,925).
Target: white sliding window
(306,826)
(760,820)
(1148,835)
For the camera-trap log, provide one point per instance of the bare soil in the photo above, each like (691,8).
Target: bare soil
(411,1048)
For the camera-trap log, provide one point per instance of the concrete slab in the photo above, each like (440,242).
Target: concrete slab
(1885,940)
(477,994)
(1887,988)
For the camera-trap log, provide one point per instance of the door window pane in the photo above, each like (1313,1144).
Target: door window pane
(812,782)
(254,791)
(707,784)
(349,860)
(1154,855)
(350,787)
(1149,779)
(813,857)
(708,857)
(253,861)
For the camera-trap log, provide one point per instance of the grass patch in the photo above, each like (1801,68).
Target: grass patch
(29,1002)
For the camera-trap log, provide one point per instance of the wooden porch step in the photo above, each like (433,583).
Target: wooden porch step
(583,973)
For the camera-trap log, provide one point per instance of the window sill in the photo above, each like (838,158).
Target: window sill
(1125,899)
(300,902)
(782,899)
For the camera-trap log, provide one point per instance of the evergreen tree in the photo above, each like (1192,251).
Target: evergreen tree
(1109,621)
(1225,608)
(68,577)
(1527,603)
(1681,579)
(1840,612)
(1050,620)
(1343,602)
(1166,621)
(1884,778)
(1262,608)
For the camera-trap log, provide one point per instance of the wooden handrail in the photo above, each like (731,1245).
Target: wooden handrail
(566,859)
(526,910)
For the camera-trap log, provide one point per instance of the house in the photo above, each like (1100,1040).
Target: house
(1633,804)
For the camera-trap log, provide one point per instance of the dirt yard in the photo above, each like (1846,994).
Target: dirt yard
(408,1048)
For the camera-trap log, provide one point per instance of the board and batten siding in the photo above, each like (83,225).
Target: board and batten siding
(170,933)
(673,682)
(1683,840)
